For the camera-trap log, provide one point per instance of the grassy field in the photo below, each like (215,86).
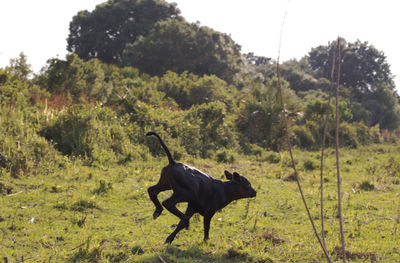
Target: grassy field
(103,214)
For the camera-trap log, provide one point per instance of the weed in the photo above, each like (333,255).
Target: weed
(269,235)
(233,254)
(55,189)
(80,222)
(273,157)
(309,165)
(103,188)
(225,157)
(83,205)
(337,251)
(137,250)
(61,206)
(367,186)
(290,178)
(6,190)
(88,255)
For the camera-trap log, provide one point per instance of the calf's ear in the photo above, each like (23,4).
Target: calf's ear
(228,175)
(236,177)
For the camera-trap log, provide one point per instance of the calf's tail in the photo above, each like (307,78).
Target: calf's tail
(170,159)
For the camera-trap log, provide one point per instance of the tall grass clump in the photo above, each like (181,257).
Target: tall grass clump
(22,150)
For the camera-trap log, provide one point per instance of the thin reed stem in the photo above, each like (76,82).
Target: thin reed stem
(323,148)
(290,147)
(148,241)
(337,152)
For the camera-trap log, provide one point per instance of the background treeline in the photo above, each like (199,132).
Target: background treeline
(137,66)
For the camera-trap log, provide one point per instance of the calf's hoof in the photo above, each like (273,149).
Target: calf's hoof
(169,240)
(156,214)
(185,222)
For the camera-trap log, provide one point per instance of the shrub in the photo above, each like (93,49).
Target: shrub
(348,135)
(303,137)
(82,205)
(91,132)
(367,186)
(103,188)
(22,150)
(70,131)
(189,90)
(251,149)
(213,132)
(310,165)
(225,157)
(273,157)
(259,119)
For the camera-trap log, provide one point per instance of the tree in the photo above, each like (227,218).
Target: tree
(104,32)
(383,107)
(259,67)
(362,65)
(20,67)
(180,46)
(299,76)
(365,78)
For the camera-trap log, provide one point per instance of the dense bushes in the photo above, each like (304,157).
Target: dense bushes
(259,119)
(201,130)
(22,150)
(308,131)
(93,133)
(100,113)
(188,89)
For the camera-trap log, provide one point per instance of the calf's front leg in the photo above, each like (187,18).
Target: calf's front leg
(206,223)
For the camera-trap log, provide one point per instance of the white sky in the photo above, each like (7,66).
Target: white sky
(39,28)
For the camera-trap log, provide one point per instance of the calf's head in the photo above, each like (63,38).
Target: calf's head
(243,186)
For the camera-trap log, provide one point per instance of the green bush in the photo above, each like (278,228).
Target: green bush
(210,128)
(309,165)
(367,186)
(91,132)
(103,188)
(260,115)
(348,135)
(303,137)
(224,157)
(273,157)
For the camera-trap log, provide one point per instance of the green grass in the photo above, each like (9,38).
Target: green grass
(81,213)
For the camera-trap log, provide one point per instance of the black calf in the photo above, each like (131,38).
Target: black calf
(204,194)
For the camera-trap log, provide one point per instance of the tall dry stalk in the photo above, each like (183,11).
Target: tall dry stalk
(290,147)
(148,241)
(337,152)
(323,148)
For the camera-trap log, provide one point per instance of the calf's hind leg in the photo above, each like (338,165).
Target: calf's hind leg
(182,224)
(170,205)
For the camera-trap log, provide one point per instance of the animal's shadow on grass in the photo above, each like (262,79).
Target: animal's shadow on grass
(169,254)
(196,254)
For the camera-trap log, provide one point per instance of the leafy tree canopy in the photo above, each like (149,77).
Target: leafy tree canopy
(181,46)
(104,32)
(366,79)
(363,67)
